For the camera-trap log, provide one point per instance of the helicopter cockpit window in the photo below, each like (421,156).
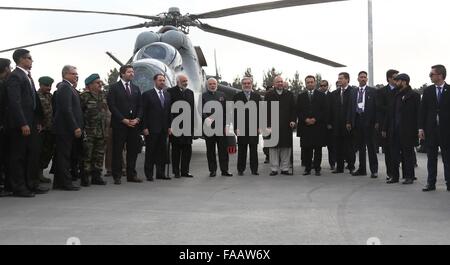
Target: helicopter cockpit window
(162,52)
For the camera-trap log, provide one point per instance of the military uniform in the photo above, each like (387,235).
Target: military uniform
(95,111)
(47,137)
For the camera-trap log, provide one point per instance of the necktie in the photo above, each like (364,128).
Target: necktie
(161,98)
(360,100)
(310,95)
(439,94)
(342,96)
(33,90)
(247,95)
(128,89)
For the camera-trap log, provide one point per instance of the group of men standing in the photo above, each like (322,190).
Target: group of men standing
(36,127)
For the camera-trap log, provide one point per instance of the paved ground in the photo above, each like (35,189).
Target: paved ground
(241,210)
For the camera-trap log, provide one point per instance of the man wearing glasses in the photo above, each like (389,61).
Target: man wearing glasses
(23,117)
(434,125)
(325,88)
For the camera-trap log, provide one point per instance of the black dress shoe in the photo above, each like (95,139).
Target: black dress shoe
(212,174)
(307,173)
(4,193)
(337,171)
(70,188)
(286,173)
(188,176)
(226,174)
(255,173)
(448,188)
(273,173)
(359,173)
(24,194)
(352,172)
(117,181)
(85,182)
(332,168)
(98,182)
(108,174)
(318,174)
(41,190)
(134,180)
(177,176)
(44,180)
(374,176)
(408,182)
(240,173)
(266,161)
(163,177)
(150,179)
(429,188)
(392,181)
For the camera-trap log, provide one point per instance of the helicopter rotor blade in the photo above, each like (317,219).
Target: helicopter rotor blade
(268,44)
(142,25)
(258,7)
(77,11)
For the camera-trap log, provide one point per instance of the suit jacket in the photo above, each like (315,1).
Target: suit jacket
(371,116)
(123,106)
(246,138)
(287,115)
(313,135)
(430,109)
(2,103)
(22,107)
(156,118)
(68,113)
(340,111)
(408,113)
(216,96)
(385,97)
(176,94)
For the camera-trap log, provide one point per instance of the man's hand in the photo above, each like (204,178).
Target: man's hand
(349,127)
(292,124)
(146,132)
(238,132)
(26,131)
(421,134)
(127,122)
(313,121)
(39,128)
(134,123)
(330,127)
(78,133)
(169,131)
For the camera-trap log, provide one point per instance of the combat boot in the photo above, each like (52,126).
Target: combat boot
(85,179)
(97,179)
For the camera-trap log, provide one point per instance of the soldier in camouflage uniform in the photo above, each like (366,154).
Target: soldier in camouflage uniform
(94,107)
(46,136)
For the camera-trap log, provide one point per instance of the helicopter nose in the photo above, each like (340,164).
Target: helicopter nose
(146,69)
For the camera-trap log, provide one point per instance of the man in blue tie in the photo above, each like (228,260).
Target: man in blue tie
(434,125)
(157,127)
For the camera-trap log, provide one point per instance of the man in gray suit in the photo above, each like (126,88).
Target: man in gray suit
(68,127)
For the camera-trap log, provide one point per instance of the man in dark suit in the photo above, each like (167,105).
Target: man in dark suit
(248,137)
(341,99)
(386,97)
(325,88)
(124,101)
(68,126)
(182,145)
(24,113)
(434,125)
(400,128)
(5,71)
(312,117)
(364,120)
(218,138)
(157,127)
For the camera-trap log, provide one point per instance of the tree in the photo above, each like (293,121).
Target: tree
(318,80)
(113,76)
(237,83)
(295,84)
(269,77)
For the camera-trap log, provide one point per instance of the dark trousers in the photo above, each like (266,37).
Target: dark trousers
(388,159)
(345,151)
(181,153)
(130,137)
(155,154)
(221,142)
(365,140)
(23,165)
(311,153)
(331,146)
(3,157)
(404,155)
(432,154)
(76,161)
(242,157)
(63,159)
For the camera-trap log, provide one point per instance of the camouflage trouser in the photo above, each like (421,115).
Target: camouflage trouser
(48,148)
(93,154)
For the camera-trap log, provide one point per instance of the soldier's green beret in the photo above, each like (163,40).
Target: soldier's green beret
(91,79)
(46,81)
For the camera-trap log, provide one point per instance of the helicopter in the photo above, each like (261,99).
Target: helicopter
(170,51)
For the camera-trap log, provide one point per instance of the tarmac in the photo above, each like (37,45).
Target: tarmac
(240,210)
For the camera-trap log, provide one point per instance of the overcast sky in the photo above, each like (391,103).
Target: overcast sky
(410,36)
